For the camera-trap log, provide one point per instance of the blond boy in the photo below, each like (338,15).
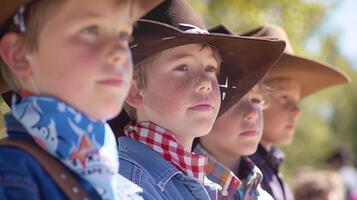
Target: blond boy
(71,64)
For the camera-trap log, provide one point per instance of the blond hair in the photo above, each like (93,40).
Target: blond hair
(142,69)
(40,12)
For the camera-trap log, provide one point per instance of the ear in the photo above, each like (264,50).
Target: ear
(13,54)
(135,97)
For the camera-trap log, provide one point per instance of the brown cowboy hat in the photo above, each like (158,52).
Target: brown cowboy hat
(173,23)
(313,76)
(9,7)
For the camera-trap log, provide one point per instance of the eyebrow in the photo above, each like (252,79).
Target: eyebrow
(180,56)
(188,55)
(95,15)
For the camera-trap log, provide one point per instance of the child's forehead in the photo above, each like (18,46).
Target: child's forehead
(92,8)
(189,50)
(282,83)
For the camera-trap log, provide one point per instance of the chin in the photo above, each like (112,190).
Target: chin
(285,141)
(248,149)
(109,113)
(200,131)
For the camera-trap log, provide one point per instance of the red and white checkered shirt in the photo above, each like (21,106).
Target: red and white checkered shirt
(166,144)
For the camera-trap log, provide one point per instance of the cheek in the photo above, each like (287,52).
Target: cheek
(227,125)
(216,93)
(169,95)
(85,57)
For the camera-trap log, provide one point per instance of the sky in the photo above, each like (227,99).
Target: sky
(342,20)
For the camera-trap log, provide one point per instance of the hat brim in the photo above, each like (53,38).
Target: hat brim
(313,76)
(245,60)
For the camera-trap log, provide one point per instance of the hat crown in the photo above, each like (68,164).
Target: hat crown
(175,13)
(270,31)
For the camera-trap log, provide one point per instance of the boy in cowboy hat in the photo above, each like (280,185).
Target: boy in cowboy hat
(290,80)
(175,97)
(235,135)
(71,63)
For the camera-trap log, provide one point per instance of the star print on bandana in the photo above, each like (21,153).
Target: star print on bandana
(85,146)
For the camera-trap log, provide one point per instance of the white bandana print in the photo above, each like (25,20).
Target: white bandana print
(85,146)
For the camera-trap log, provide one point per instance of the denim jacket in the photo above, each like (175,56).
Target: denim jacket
(22,177)
(158,177)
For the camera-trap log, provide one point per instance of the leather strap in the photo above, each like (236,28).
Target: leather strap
(55,169)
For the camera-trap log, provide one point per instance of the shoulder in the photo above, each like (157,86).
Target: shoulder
(20,174)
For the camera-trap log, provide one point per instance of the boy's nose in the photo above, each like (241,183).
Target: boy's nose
(251,112)
(295,111)
(204,84)
(119,53)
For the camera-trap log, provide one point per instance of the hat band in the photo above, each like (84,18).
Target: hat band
(189,28)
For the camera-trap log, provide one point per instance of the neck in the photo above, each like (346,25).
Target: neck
(267,145)
(185,142)
(229,160)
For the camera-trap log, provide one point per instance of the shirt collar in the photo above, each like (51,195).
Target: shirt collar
(220,174)
(250,174)
(274,157)
(166,144)
(248,177)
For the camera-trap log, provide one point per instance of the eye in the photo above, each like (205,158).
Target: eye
(256,100)
(211,68)
(92,30)
(124,36)
(284,98)
(182,68)
(260,101)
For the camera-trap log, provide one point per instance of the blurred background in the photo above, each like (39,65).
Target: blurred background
(325,30)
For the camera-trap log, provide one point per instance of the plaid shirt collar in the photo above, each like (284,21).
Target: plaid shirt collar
(274,157)
(220,174)
(165,143)
(242,184)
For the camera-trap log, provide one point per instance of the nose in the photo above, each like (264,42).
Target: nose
(251,111)
(295,110)
(119,53)
(204,84)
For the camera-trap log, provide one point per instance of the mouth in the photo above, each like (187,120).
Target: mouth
(249,133)
(290,126)
(116,82)
(203,107)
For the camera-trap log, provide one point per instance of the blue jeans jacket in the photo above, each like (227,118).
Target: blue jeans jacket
(21,177)
(158,177)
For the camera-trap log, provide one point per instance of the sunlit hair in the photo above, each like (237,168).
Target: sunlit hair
(40,12)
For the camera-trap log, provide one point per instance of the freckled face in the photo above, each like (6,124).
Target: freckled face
(182,93)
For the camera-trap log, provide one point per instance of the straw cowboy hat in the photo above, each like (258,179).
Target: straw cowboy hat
(9,7)
(313,76)
(173,23)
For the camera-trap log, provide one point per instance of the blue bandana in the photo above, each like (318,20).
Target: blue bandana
(85,146)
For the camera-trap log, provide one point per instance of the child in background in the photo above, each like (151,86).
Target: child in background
(291,79)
